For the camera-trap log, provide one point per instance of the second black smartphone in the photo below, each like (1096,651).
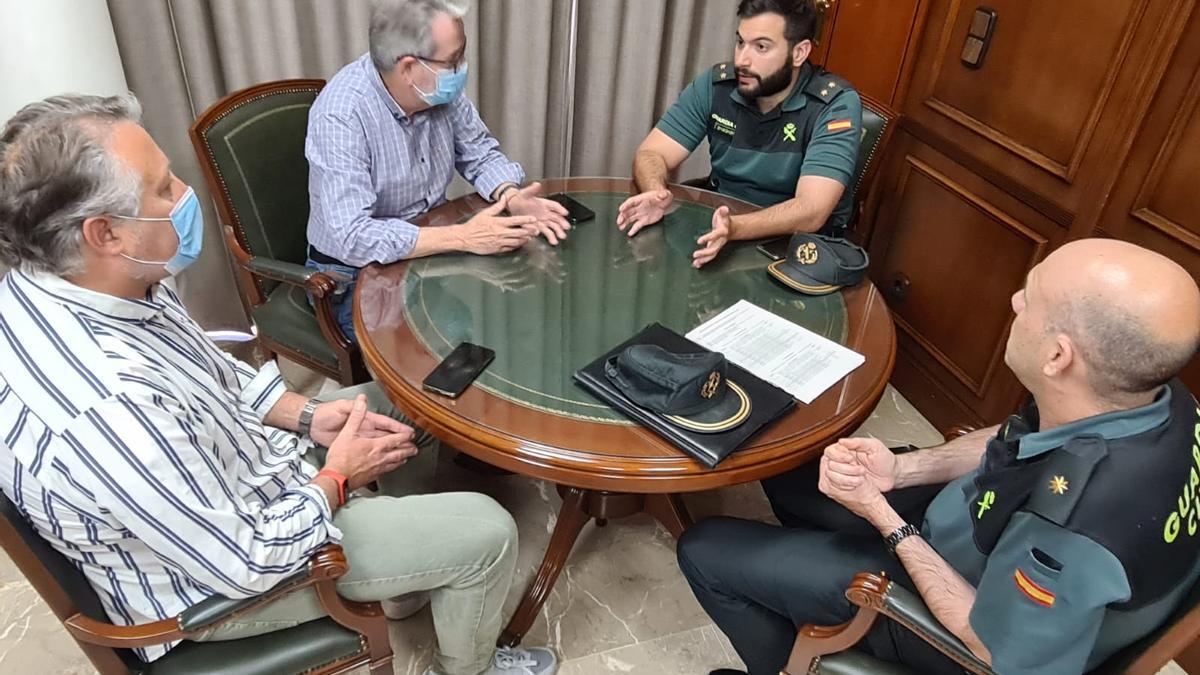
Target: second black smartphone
(576,212)
(775,249)
(459,369)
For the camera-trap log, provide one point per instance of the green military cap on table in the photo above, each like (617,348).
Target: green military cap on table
(690,390)
(818,265)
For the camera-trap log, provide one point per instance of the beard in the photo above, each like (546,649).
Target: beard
(770,85)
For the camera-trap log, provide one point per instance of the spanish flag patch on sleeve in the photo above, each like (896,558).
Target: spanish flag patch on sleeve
(839,125)
(1032,590)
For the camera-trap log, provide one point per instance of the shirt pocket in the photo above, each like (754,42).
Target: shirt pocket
(1045,564)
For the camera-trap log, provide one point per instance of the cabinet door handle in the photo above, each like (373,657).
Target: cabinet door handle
(899,286)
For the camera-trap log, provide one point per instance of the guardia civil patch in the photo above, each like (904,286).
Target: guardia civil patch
(1032,590)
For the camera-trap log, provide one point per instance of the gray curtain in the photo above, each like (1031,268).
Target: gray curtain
(570,87)
(634,57)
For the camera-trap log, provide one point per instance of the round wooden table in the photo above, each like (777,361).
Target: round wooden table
(547,311)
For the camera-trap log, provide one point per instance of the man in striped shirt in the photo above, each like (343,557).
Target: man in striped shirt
(385,137)
(164,469)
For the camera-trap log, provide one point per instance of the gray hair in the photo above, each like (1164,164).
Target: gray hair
(56,171)
(1123,354)
(401,28)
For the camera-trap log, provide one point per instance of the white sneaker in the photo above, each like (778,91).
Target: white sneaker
(520,661)
(404,606)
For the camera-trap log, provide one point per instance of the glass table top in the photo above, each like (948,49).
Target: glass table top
(547,311)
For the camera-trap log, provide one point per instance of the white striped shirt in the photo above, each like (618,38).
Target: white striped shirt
(136,448)
(372,169)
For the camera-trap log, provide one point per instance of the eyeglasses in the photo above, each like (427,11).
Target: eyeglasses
(445,63)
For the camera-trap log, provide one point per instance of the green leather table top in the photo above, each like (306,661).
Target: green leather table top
(546,311)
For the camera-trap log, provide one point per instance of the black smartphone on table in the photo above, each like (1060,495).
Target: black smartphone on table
(458,370)
(576,212)
(775,249)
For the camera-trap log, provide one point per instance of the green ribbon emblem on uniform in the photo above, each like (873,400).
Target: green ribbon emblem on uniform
(989,498)
(789,131)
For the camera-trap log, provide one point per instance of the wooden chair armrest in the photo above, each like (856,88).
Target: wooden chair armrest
(877,593)
(958,430)
(365,618)
(320,285)
(813,641)
(91,631)
(326,565)
(279,270)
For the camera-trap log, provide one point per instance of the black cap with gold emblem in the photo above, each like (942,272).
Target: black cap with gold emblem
(688,390)
(817,265)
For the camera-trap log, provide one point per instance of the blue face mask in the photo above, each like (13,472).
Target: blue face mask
(450,84)
(188,221)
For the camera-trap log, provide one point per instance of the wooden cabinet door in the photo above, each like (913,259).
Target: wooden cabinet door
(949,256)
(1057,85)
(1156,199)
(998,165)
(868,43)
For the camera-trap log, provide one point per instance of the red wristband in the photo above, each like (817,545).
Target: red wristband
(340,480)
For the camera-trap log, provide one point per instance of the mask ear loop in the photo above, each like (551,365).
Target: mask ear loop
(421,91)
(170,218)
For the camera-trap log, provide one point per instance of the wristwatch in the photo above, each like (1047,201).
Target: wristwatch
(898,535)
(304,424)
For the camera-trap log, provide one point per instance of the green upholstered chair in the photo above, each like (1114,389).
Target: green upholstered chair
(251,148)
(879,121)
(822,650)
(354,634)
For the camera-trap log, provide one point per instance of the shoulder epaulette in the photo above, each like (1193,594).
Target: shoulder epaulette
(824,86)
(1064,476)
(723,72)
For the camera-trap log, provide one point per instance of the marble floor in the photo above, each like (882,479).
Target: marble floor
(620,606)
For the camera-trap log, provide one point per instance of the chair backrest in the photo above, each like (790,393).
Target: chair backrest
(878,120)
(251,147)
(58,582)
(1150,653)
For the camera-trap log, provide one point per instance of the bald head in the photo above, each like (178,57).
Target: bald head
(1133,315)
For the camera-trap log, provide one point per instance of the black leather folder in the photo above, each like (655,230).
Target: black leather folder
(768,402)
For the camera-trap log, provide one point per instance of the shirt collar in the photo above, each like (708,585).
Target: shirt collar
(78,297)
(795,100)
(1118,424)
(376,80)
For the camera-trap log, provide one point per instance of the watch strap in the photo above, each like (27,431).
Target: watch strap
(304,423)
(341,482)
(505,187)
(900,534)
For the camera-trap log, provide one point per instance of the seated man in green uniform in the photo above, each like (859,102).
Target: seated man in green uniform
(1065,534)
(782,133)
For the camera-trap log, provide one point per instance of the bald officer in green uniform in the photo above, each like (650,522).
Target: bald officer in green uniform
(782,134)
(1064,534)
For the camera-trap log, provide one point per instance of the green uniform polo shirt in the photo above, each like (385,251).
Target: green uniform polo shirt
(1043,594)
(759,157)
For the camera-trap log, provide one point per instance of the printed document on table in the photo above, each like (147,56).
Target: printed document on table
(791,357)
